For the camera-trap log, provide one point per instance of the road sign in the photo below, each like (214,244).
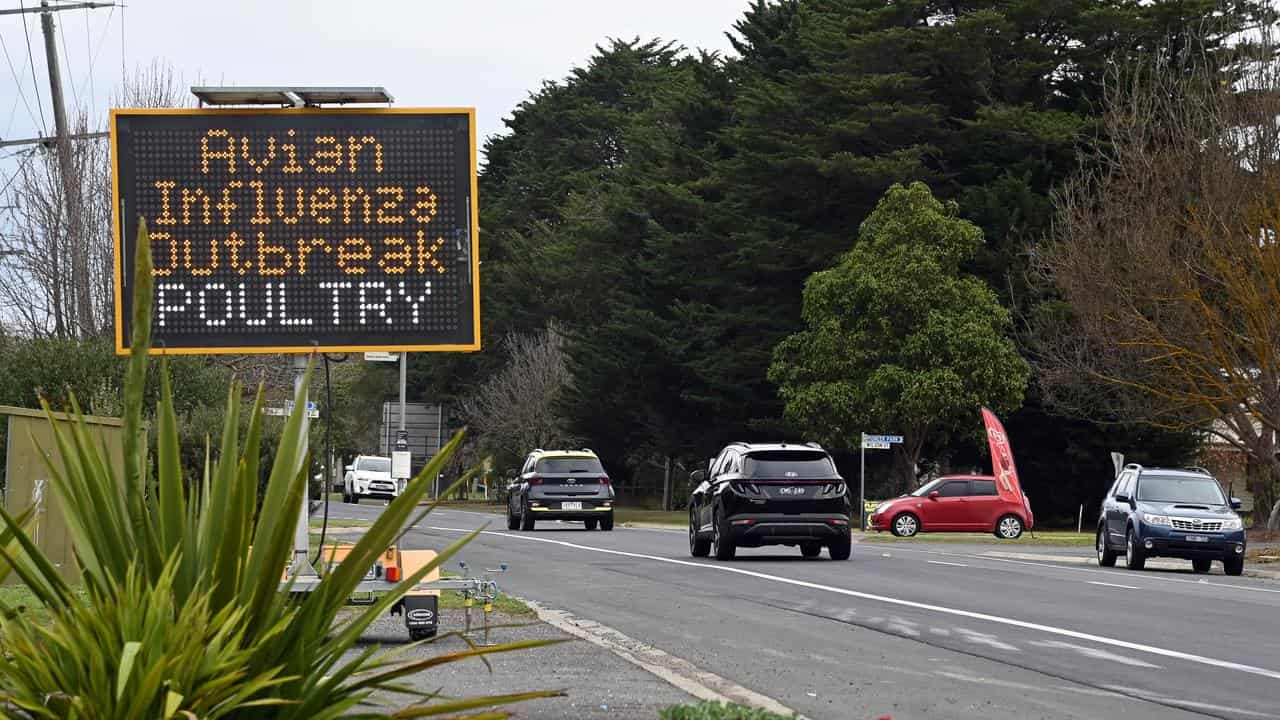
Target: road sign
(382,357)
(312,412)
(870,444)
(299,229)
(894,439)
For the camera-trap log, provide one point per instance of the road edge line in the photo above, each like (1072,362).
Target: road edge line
(679,672)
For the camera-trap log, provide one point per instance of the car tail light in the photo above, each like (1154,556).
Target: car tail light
(535,481)
(604,481)
(393,574)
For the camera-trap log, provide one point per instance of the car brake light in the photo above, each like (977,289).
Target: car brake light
(604,481)
(393,574)
(535,481)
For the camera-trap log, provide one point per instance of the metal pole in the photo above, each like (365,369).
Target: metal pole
(439,442)
(862,483)
(302,531)
(404,374)
(70,188)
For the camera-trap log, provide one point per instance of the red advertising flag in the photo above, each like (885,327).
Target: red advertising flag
(1002,466)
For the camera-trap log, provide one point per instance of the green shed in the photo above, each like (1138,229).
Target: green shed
(26,479)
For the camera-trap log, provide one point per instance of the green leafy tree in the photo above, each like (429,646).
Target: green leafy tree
(897,338)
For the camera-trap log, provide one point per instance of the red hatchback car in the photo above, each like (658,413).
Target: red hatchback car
(956,503)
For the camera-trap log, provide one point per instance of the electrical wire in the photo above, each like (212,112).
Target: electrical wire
(26,33)
(327,483)
(17,83)
(62,35)
(88,49)
(98,52)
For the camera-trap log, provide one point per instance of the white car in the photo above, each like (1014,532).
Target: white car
(369,476)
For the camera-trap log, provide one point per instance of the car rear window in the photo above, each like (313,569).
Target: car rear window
(1180,489)
(570,466)
(378,465)
(788,464)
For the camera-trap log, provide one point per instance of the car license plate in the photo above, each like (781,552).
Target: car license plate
(571,506)
(1197,538)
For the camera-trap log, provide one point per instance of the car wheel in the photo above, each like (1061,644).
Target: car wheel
(1201,565)
(1009,527)
(840,549)
(810,550)
(721,542)
(906,525)
(1233,565)
(606,522)
(699,546)
(513,523)
(355,499)
(346,498)
(1106,556)
(1134,559)
(591,524)
(526,518)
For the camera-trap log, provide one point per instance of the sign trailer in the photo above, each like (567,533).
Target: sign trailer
(295,230)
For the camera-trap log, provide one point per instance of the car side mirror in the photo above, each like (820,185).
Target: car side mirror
(1122,498)
(697,476)
(350,468)
(1236,504)
(933,495)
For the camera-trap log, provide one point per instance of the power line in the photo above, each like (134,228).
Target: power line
(88,49)
(17,82)
(96,53)
(31,59)
(62,35)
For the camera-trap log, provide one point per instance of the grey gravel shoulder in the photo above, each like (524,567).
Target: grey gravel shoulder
(598,684)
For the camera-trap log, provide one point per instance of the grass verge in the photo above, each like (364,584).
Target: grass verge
(1054,537)
(717,711)
(674,518)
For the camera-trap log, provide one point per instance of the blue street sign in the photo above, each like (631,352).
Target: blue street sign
(883,438)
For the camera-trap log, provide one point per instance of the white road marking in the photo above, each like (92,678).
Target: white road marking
(1092,570)
(902,626)
(942,609)
(1187,704)
(677,671)
(943,562)
(1095,653)
(940,631)
(1126,587)
(980,638)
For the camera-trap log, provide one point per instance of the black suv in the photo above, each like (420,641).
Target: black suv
(752,495)
(1154,512)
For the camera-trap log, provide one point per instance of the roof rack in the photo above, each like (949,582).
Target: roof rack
(1197,468)
(1133,466)
(813,445)
(588,450)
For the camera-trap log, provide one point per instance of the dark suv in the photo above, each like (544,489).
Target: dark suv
(1154,512)
(752,495)
(560,485)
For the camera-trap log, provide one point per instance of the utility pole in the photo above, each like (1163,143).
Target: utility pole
(70,183)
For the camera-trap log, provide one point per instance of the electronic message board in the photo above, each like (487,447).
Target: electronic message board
(300,229)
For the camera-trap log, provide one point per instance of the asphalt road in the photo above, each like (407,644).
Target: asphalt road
(906,630)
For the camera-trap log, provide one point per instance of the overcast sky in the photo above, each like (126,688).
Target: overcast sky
(484,53)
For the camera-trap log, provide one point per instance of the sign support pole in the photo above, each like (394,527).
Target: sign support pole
(301,532)
(862,483)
